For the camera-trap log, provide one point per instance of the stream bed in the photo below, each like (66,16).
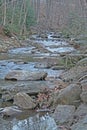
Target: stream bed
(32,58)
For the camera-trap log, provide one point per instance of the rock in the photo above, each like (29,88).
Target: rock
(8,43)
(81,112)
(10,111)
(58,68)
(42,65)
(82,62)
(56,36)
(21,62)
(75,73)
(80,125)
(84,77)
(84,96)
(9,89)
(43,35)
(7,95)
(64,114)
(69,95)
(24,101)
(25,75)
(59,84)
(0,103)
(63,128)
(84,85)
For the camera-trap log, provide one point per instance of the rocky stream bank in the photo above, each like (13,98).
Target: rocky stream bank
(43,83)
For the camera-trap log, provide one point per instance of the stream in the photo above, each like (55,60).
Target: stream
(41,55)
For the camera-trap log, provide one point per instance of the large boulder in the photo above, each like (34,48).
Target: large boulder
(82,62)
(64,114)
(74,74)
(69,95)
(25,75)
(24,101)
(84,84)
(84,96)
(80,112)
(80,125)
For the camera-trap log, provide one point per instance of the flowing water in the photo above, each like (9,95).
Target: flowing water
(36,122)
(24,59)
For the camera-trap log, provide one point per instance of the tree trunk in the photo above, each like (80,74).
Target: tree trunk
(4,19)
(20,17)
(84,12)
(13,12)
(38,10)
(23,28)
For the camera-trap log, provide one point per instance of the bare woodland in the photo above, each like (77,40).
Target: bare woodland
(48,14)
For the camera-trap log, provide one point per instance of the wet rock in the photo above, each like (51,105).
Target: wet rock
(84,96)
(24,101)
(80,125)
(64,114)
(56,36)
(69,95)
(21,62)
(42,65)
(10,111)
(43,35)
(25,75)
(58,68)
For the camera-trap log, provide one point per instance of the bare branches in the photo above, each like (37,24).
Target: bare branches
(14,14)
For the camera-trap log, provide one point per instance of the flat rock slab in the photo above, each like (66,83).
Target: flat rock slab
(25,75)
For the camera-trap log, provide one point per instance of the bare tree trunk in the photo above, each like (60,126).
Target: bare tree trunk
(20,17)
(1,12)
(35,7)
(4,18)
(84,12)
(48,7)
(38,10)
(23,28)
(13,11)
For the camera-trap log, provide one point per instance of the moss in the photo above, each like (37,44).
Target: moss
(7,31)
